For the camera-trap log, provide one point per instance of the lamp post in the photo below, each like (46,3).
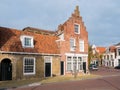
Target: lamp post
(75,63)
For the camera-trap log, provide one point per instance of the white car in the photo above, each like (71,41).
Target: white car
(93,67)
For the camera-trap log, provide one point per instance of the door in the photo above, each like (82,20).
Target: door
(6,70)
(84,67)
(47,69)
(62,67)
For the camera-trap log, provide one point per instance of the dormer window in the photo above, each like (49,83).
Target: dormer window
(77,28)
(27,41)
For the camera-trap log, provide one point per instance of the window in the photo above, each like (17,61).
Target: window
(72,44)
(29,66)
(119,52)
(81,43)
(74,63)
(111,56)
(80,63)
(48,59)
(27,41)
(77,28)
(118,61)
(61,36)
(69,63)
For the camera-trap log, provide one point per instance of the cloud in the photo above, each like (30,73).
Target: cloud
(101,18)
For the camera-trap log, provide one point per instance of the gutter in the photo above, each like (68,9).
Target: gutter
(26,53)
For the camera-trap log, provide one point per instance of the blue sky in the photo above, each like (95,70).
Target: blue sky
(101,17)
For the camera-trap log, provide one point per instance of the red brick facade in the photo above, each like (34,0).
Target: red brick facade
(68,30)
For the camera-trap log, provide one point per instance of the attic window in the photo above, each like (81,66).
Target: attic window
(27,41)
(77,28)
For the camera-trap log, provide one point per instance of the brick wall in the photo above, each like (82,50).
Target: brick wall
(68,29)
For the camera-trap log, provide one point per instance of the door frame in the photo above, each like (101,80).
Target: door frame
(47,59)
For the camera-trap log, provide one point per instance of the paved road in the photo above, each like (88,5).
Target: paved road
(105,71)
(109,81)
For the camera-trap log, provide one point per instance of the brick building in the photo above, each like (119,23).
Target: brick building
(36,53)
(73,44)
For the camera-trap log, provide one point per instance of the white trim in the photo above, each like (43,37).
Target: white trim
(34,70)
(72,63)
(22,38)
(27,53)
(78,55)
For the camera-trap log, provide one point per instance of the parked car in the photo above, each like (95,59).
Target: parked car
(93,67)
(117,67)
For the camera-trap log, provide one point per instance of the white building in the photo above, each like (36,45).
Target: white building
(111,58)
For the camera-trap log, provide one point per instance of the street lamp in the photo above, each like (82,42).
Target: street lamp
(75,62)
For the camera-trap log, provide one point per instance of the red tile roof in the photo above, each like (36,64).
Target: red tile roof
(39,31)
(101,49)
(10,41)
(112,48)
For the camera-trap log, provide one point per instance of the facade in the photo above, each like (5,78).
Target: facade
(97,55)
(25,54)
(36,53)
(111,57)
(73,44)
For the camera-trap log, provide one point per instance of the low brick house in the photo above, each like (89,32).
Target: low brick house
(26,54)
(36,53)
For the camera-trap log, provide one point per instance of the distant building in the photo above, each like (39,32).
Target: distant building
(97,55)
(111,57)
(37,53)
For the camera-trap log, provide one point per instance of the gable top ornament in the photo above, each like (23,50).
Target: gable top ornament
(76,12)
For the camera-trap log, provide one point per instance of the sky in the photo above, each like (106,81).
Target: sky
(101,17)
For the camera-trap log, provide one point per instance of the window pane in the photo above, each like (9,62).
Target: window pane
(69,63)
(76,28)
(27,41)
(80,63)
(82,45)
(72,44)
(29,65)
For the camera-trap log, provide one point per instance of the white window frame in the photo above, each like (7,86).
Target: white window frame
(72,62)
(61,36)
(78,32)
(31,73)
(72,45)
(80,63)
(81,45)
(23,41)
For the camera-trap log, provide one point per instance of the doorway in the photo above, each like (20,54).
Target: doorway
(47,69)
(84,67)
(62,67)
(5,70)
